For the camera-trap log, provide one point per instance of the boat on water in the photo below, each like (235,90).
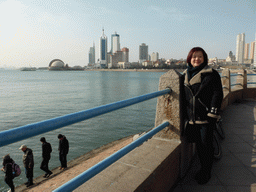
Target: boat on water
(28,69)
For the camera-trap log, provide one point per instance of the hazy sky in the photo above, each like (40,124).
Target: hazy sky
(34,32)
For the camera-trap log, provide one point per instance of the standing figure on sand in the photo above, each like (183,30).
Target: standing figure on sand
(63,151)
(203,98)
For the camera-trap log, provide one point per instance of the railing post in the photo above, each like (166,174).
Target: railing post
(170,108)
(242,81)
(226,84)
(225,80)
(242,78)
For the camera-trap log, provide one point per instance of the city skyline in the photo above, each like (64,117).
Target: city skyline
(34,32)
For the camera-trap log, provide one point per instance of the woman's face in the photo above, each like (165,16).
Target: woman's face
(197,58)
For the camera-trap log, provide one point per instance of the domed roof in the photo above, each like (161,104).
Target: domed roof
(56,63)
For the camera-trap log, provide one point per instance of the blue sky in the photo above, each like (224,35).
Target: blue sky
(34,32)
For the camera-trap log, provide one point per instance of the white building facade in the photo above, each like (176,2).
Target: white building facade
(115,43)
(154,56)
(240,44)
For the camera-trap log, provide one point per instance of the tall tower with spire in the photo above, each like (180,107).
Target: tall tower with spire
(103,49)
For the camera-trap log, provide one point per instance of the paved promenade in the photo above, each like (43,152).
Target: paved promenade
(236,171)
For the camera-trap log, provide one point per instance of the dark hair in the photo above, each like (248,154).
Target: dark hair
(42,139)
(60,136)
(7,159)
(193,50)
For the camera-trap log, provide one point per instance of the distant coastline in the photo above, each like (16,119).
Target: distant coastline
(135,70)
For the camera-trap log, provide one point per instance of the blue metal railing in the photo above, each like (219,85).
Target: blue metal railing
(232,75)
(27,131)
(91,172)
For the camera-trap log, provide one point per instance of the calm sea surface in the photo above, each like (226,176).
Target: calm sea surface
(33,96)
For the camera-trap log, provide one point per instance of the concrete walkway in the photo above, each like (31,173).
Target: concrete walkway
(236,170)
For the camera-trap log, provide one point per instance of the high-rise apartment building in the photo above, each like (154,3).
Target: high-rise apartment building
(115,43)
(125,52)
(246,51)
(240,43)
(143,52)
(154,56)
(103,48)
(254,59)
(91,55)
(252,50)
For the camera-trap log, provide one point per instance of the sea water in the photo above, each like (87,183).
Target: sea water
(33,96)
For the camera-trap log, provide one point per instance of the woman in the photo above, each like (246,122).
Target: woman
(203,96)
(7,168)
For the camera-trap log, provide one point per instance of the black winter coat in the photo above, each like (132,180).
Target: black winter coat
(46,150)
(8,168)
(203,95)
(63,146)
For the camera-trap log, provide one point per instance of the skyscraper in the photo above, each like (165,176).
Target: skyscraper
(92,55)
(115,43)
(125,52)
(254,59)
(154,56)
(103,48)
(240,43)
(143,52)
(252,50)
(246,51)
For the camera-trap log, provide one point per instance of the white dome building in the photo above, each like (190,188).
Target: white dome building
(56,64)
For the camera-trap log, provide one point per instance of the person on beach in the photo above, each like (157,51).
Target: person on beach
(7,168)
(46,154)
(28,162)
(203,96)
(63,151)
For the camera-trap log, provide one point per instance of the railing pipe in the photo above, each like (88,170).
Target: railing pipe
(236,84)
(30,130)
(91,172)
